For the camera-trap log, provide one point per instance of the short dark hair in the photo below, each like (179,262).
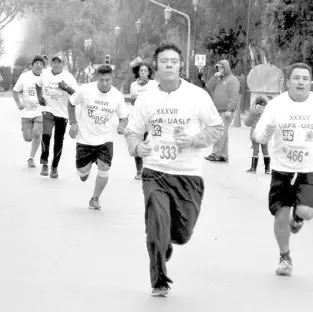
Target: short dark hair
(37,58)
(299,65)
(136,69)
(104,69)
(164,46)
(200,75)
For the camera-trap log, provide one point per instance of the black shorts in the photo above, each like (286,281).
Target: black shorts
(174,198)
(284,194)
(86,154)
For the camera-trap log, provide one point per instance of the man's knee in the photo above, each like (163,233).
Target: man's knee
(102,166)
(181,237)
(282,217)
(305,212)
(37,131)
(27,135)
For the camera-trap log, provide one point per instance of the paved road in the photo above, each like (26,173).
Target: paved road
(58,256)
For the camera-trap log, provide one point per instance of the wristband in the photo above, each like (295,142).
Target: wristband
(73,122)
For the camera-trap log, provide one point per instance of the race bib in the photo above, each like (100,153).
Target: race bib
(53,94)
(98,118)
(296,155)
(32,105)
(166,151)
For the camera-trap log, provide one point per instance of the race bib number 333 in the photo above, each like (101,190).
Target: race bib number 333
(166,152)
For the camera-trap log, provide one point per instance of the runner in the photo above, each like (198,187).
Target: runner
(58,84)
(178,128)
(143,74)
(288,118)
(93,127)
(31,110)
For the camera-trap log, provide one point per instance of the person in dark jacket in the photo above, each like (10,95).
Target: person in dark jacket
(255,113)
(199,81)
(224,88)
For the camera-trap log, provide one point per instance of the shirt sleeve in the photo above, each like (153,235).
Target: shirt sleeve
(121,109)
(19,84)
(208,113)
(77,97)
(267,118)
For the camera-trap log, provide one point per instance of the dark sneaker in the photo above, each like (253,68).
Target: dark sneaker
(44,170)
(31,163)
(284,267)
(94,204)
(54,173)
(138,176)
(295,226)
(159,292)
(169,253)
(211,158)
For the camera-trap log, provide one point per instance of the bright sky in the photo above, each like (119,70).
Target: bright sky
(13,35)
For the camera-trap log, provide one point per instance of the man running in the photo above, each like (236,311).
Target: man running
(31,110)
(289,118)
(58,84)
(181,119)
(93,127)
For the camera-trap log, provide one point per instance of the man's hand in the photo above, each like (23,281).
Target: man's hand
(20,106)
(183,140)
(120,129)
(42,101)
(62,85)
(227,114)
(217,75)
(270,129)
(73,131)
(144,149)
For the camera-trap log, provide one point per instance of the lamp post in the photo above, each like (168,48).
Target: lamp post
(117,31)
(167,16)
(188,35)
(195,4)
(138,27)
(87,45)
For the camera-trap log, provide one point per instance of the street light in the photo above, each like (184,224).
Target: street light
(117,31)
(138,27)
(167,16)
(195,4)
(87,45)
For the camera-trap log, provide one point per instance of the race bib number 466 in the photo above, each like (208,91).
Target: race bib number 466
(296,155)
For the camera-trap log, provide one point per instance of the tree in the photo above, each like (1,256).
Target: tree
(287,31)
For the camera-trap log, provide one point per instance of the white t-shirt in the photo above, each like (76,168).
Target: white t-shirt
(136,89)
(189,109)
(94,117)
(27,83)
(56,98)
(292,141)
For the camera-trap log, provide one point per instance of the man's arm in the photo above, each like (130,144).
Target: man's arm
(211,85)
(40,97)
(17,99)
(213,126)
(134,132)
(71,113)
(208,136)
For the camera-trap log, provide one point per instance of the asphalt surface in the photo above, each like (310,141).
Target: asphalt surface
(59,256)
